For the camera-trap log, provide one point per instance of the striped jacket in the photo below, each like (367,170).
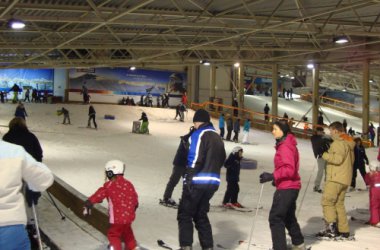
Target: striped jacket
(206,155)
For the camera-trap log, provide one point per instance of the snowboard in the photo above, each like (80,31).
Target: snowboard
(162,203)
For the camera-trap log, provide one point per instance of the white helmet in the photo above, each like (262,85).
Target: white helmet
(114,167)
(237,149)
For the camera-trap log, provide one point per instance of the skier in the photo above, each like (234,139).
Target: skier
(372,179)
(266,112)
(359,163)
(340,158)
(91,116)
(229,128)
(288,183)
(179,167)
(236,130)
(85,94)
(123,202)
(66,115)
(144,124)
(19,134)
(201,181)
(221,125)
(20,111)
(27,93)
(15,88)
(233,172)
(246,128)
(177,112)
(319,142)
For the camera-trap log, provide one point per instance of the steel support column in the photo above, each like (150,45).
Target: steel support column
(315,105)
(212,81)
(274,107)
(241,84)
(365,102)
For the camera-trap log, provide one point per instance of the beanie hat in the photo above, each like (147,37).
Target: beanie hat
(284,126)
(237,149)
(201,115)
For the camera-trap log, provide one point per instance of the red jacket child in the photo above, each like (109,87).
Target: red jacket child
(373,180)
(122,203)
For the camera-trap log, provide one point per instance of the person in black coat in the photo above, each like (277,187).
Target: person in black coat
(236,130)
(233,173)
(20,111)
(91,116)
(236,105)
(229,124)
(66,115)
(179,168)
(19,134)
(360,158)
(266,112)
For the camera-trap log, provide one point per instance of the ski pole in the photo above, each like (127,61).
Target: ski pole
(254,218)
(59,210)
(37,226)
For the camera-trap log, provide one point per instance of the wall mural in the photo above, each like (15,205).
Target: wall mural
(40,79)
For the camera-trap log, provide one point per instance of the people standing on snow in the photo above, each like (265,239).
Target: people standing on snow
(177,112)
(287,180)
(233,177)
(15,88)
(182,109)
(66,116)
(184,98)
(123,202)
(144,124)
(236,130)
(91,116)
(344,125)
(246,128)
(266,112)
(221,125)
(20,135)
(319,143)
(27,93)
(20,111)
(372,179)
(2,95)
(340,158)
(179,167)
(372,134)
(359,162)
(34,95)
(202,178)
(85,94)
(235,104)
(230,125)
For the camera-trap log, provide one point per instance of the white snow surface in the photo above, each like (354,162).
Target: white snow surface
(78,155)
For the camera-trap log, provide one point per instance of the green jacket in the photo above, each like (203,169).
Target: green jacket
(340,158)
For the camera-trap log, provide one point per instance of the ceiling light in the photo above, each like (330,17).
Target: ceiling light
(340,39)
(282,76)
(236,65)
(292,77)
(16,24)
(132,68)
(287,75)
(310,66)
(371,81)
(204,62)
(344,90)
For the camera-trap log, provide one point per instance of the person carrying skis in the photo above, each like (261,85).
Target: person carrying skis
(340,158)
(202,178)
(233,172)
(372,179)
(144,124)
(179,167)
(287,181)
(91,116)
(123,202)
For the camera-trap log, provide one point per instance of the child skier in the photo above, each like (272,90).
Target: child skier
(123,202)
(373,180)
(233,172)
(144,124)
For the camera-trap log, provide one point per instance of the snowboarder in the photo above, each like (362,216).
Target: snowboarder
(66,115)
(20,111)
(91,116)
(123,202)
(359,163)
(288,183)
(236,130)
(246,128)
(15,88)
(221,125)
(233,172)
(229,128)
(179,167)
(319,142)
(340,158)
(144,124)
(373,180)
(266,112)
(201,181)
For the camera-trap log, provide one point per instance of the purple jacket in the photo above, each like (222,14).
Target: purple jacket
(286,164)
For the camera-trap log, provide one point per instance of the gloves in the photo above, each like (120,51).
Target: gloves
(31,197)
(188,179)
(87,208)
(324,148)
(265,177)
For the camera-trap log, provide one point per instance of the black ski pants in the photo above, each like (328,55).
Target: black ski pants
(91,117)
(236,136)
(229,132)
(193,207)
(283,215)
(177,173)
(355,173)
(221,132)
(232,192)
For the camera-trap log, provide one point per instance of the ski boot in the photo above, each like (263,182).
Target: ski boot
(299,247)
(330,231)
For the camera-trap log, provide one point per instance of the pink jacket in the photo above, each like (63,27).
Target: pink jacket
(122,200)
(286,164)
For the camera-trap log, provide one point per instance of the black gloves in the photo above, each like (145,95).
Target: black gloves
(324,148)
(265,177)
(87,208)
(188,182)
(31,197)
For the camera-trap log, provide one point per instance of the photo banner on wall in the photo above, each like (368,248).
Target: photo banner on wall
(123,81)
(40,79)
